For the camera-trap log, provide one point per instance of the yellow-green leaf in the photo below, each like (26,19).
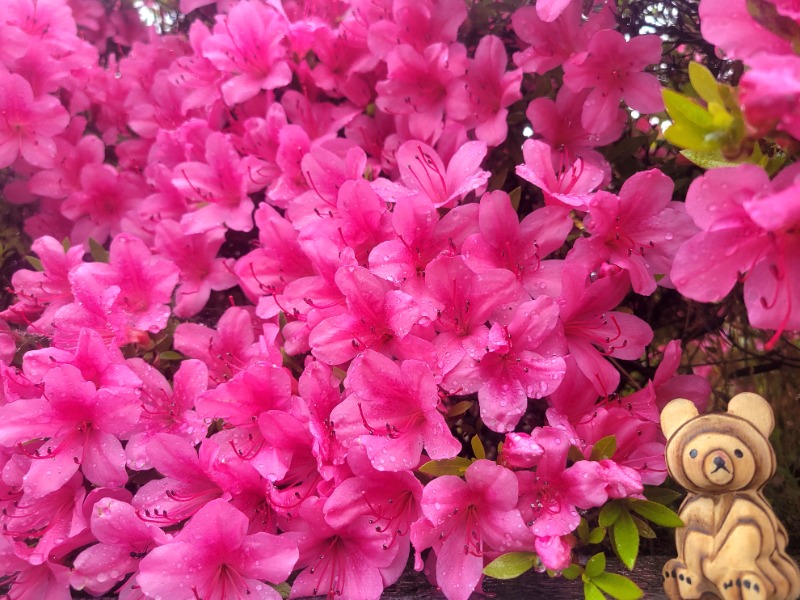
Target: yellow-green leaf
(447,466)
(597,535)
(609,514)
(515,195)
(643,528)
(683,109)
(655,512)
(477,447)
(706,160)
(459,408)
(592,592)
(595,565)
(626,539)
(686,135)
(571,572)
(35,263)
(99,254)
(510,565)
(617,586)
(604,448)
(704,83)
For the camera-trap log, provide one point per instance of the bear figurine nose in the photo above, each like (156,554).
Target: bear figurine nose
(719,463)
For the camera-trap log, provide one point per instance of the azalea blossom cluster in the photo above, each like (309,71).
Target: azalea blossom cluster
(748,222)
(323,167)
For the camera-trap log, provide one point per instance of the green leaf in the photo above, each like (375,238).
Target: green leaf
(592,592)
(655,512)
(510,565)
(459,408)
(706,160)
(618,586)
(35,263)
(661,495)
(609,514)
(597,535)
(626,539)
(575,454)
(477,447)
(582,530)
(604,448)
(644,529)
(448,466)
(704,83)
(685,110)
(595,565)
(284,589)
(515,195)
(572,572)
(99,254)
(684,135)
(170,355)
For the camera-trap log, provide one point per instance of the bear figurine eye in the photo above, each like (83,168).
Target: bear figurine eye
(738,453)
(693,453)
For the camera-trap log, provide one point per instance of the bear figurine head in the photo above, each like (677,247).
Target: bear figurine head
(720,453)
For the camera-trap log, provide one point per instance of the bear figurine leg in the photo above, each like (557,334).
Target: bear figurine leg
(743,585)
(679,582)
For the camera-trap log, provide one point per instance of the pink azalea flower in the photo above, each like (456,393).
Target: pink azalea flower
(550,495)
(465,519)
(247,43)
(562,181)
(516,364)
(224,561)
(640,230)
(29,124)
(346,561)
(504,242)
(64,178)
(417,84)
(42,293)
(613,68)
(124,539)
(81,425)
(196,256)
(393,410)
(226,349)
(195,72)
(103,203)
(218,186)
(766,92)
(165,408)
(487,92)
(417,23)
(730,26)
(552,41)
(746,225)
(136,285)
(377,317)
(423,172)
(593,329)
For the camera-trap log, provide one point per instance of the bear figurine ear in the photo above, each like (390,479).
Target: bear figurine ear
(675,414)
(754,409)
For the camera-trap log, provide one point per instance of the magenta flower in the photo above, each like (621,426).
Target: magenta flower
(613,68)
(517,363)
(393,410)
(640,230)
(80,425)
(465,519)
(218,186)
(729,25)
(550,495)
(767,91)
(563,182)
(482,102)
(28,124)
(423,172)
(221,560)
(196,257)
(377,317)
(124,539)
(552,41)
(417,84)
(247,43)
(504,242)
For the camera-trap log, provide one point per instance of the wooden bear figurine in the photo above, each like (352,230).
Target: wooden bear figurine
(731,545)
